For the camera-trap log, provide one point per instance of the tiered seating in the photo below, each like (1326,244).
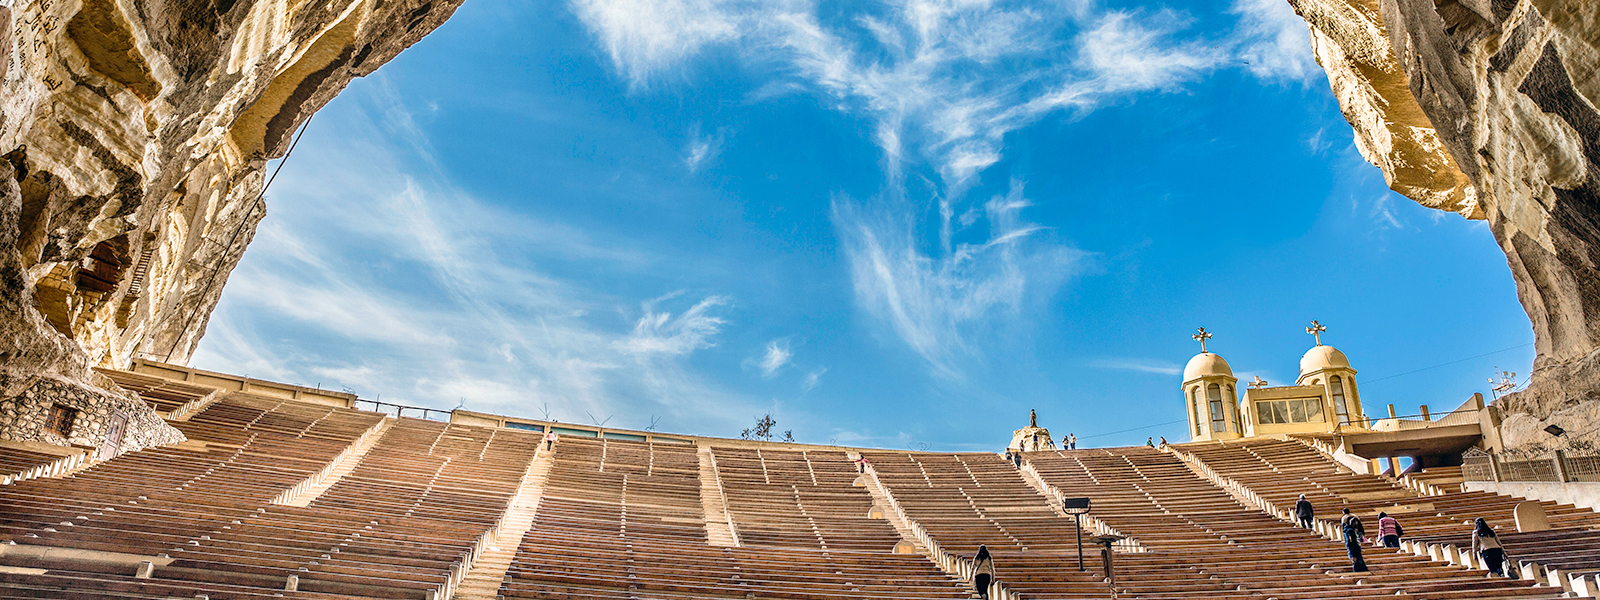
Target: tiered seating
(618,519)
(963,500)
(415,505)
(1280,471)
(163,394)
(16,460)
(800,499)
(1448,478)
(624,520)
(1154,497)
(150,501)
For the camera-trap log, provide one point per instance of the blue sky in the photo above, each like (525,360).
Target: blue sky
(898,224)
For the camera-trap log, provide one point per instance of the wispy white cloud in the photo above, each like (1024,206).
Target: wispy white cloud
(1273,41)
(944,82)
(644,36)
(701,148)
(937,303)
(661,333)
(777,355)
(948,79)
(1319,142)
(1160,367)
(812,380)
(1382,212)
(392,281)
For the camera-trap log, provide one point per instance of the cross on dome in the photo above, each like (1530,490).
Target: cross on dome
(1316,330)
(1202,337)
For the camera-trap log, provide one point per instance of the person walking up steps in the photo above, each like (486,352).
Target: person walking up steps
(1303,513)
(1389,530)
(1354,534)
(982,571)
(1486,545)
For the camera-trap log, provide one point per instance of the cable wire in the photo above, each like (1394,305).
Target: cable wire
(1372,381)
(212,281)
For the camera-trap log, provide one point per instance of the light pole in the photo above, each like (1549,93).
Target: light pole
(1076,507)
(1105,542)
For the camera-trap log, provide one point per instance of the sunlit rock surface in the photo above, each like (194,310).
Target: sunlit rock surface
(1487,108)
(134,135)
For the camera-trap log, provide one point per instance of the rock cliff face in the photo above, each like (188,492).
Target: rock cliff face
(133,137)
(1487,108)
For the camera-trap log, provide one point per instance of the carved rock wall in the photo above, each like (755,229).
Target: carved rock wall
(133,137)
(1488,108)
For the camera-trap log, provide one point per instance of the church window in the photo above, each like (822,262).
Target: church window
(1299,410)
(1218,419)
(1231,403)
(1195,404)
(1339,406)
(60,421)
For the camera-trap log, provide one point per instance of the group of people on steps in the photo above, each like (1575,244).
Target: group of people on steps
(1485,543)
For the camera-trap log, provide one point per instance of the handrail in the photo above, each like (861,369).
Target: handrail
(1427,417)
(716,472)
(959,566)
(400,409)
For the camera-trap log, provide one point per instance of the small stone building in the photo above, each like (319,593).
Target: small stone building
(64,413)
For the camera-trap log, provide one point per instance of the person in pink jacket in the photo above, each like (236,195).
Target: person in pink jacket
(1389,530)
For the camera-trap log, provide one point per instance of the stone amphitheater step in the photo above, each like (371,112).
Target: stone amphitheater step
(307,491)
(719,526)
(489,570)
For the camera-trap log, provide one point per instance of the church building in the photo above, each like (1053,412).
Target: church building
(1324,399)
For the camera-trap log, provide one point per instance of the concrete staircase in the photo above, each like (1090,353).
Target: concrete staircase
(880,502)
(719,525)
(489,570)
(308,490)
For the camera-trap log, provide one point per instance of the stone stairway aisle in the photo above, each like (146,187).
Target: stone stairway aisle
(489,570)
(880,505)
(303,493)
(719,524)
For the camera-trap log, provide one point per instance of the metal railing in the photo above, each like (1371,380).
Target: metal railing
(1371,422)
(399,410)
(1477,465)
